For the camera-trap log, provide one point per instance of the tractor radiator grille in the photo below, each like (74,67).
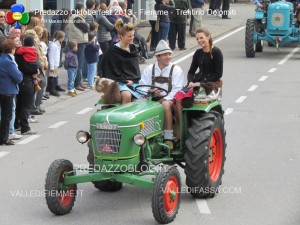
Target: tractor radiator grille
(277,19)
(149,127)
(107,141)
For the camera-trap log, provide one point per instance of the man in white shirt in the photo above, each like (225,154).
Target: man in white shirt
(174,82)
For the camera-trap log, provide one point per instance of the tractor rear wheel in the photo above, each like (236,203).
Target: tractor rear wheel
(249,41)
(105,185)
(166,194)
(59,197)
(205,155)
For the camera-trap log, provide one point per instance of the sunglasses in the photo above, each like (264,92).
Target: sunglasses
(2,16)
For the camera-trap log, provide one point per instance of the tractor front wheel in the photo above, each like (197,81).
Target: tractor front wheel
(249,40)
(205,155)
(60,198)
(166,195)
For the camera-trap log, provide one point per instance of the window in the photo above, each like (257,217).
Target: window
(6,4)
(50,4)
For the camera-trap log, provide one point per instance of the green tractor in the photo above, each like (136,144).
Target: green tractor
(126,146)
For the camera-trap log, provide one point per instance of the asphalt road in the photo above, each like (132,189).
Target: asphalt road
(261,181)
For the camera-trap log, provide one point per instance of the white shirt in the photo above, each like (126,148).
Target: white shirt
(54,54)
(177,78)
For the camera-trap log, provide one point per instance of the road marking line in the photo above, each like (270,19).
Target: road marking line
(252,88)
(2,154)
(228,111)
(272,70)
(215,41)
(57,125)
(29,139)
(241,99)
(202,206)
(263,78)
(84,111)
(288,56)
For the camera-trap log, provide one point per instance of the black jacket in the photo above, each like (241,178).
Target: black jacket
(210,66)
(120,65)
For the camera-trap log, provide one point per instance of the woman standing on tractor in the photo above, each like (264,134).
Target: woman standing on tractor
(121,62)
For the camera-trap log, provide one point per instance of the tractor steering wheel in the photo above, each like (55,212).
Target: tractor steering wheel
(151,90)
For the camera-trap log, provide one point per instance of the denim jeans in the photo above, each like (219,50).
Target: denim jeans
(92,69)
(80,55)
(84,69)
(13,116)
(164,30)
(71,78)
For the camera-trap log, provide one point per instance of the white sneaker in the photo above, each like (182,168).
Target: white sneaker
(31,120)
(15,136)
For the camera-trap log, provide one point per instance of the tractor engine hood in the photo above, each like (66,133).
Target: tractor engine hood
(128,114)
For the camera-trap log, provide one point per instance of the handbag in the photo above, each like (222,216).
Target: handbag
(157,24)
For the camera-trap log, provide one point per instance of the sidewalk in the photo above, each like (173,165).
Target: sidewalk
(216,25)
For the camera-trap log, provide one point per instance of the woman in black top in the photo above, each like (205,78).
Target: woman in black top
(121,62)
(208,59)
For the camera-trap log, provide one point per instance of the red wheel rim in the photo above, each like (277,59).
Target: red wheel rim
(65,196)
(171,195)
(215,157)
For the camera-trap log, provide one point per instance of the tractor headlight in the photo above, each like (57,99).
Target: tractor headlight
(139,139)
(82,136)
(263,20)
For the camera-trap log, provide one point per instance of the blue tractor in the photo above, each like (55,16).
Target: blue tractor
(274,23)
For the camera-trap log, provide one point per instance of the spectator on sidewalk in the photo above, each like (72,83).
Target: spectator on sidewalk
(71,65)
(196,16)
(90,6)
(12,132)
(92,57)
(53,57)
(10,77)
(3,25)
(103,37)
(178,19)
(78,32)
(163,8)
(26,95)
(225,9)
(152,20)
(29,55)
(14,32)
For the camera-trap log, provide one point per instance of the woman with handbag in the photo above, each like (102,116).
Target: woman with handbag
(163,9)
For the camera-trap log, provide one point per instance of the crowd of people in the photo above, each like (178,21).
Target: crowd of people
(83,34)
(94,44)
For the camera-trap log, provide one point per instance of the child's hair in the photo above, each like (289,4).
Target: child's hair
(91,36)
(30,33)
(59,34)
(45,37)
(94,26)
(123,28)
(72,45)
